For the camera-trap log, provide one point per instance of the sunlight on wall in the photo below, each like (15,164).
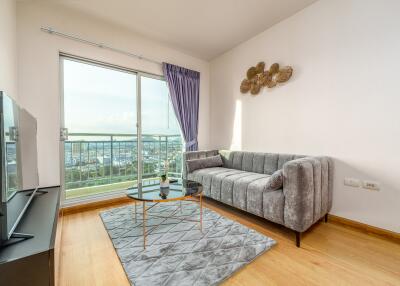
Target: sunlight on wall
(236,143)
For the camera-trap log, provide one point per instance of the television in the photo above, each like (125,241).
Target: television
(18,167)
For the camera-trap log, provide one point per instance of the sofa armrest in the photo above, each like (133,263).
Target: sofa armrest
(190,155)
(307,191)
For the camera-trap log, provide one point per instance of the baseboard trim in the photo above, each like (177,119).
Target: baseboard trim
(94,205)
(366,228)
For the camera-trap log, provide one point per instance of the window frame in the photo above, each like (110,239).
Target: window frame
(97,197)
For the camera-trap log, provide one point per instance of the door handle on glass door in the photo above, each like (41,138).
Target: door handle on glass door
(63,134)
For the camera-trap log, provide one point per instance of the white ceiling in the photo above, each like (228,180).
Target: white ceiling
(202,28)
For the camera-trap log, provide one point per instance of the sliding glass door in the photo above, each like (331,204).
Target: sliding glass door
(100,136)
(104,109)
(161,139)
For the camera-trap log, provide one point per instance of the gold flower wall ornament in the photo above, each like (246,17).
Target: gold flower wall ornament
(257,77)
(283,74)
(251,72)
(270,83)
(255,89)
(273,69)
(260,67)
(245,86)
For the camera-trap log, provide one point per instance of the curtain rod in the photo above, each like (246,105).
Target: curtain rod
(51,31)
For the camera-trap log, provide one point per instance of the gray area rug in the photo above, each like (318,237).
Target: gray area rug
(177,252)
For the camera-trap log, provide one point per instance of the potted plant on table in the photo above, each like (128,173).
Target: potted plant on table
(164,183)
(164,187)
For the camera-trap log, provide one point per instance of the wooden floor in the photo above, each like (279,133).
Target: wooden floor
(330,254)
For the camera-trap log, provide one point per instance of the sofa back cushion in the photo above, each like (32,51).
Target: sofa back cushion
(262,163)
(271,163)
(247,161)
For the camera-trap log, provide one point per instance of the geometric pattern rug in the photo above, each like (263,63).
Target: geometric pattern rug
(177,252)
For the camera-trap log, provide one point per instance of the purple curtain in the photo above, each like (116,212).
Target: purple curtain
(184,87)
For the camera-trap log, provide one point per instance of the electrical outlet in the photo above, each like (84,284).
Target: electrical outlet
(352,182)
(370,185)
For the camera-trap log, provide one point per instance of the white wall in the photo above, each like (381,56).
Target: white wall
(8,55)
(343,99)
(39,84)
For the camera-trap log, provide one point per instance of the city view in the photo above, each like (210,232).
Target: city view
(100,163)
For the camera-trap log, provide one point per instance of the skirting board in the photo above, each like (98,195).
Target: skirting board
(94,205)
(366,228)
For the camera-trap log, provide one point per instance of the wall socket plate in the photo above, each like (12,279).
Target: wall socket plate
(371,185)
(365,184)
(352,182)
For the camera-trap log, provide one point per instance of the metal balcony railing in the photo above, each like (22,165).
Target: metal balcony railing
(102,158)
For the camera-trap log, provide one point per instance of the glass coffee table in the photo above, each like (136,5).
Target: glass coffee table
(180,191)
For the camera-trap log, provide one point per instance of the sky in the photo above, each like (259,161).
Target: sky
(103,100)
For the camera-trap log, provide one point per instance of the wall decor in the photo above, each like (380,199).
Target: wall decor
(257,77)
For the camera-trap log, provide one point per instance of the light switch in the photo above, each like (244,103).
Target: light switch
(352,182)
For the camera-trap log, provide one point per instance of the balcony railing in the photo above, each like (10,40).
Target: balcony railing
(96,160)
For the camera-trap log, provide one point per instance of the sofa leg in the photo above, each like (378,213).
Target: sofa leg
(298,237)
(326,218)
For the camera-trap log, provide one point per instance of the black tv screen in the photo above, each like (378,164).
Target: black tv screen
(19,175)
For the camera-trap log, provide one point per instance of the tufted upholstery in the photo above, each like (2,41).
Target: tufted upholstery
(263,163)
(241,182)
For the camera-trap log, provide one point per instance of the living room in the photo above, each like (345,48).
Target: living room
(199,142)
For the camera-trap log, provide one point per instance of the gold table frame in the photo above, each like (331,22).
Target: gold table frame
(189,197)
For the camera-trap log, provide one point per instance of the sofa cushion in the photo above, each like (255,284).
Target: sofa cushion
(271,163)
(207,162)
(209,177)
(237,160)
(217,179)
(275,182)
(240,188)
(204,177)
(198,175)
(227,158)
(247,161)
(258,163)
(227,186)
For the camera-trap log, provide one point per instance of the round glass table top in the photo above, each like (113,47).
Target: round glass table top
(156,193)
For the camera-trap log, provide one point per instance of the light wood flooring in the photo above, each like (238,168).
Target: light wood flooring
(330,254)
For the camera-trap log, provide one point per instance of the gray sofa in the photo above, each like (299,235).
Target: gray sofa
(305,198)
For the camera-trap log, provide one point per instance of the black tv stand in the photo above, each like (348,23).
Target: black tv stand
(21,235)
(38,192)
(17,237)
(29,258)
